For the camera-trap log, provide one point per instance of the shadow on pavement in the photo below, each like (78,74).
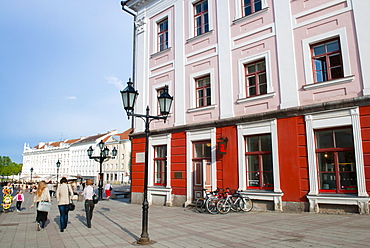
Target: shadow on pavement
(122,228)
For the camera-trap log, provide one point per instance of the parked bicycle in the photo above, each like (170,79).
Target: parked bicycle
(236,202)
(209,202)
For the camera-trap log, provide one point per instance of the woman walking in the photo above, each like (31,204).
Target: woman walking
(89,204)
(64,193)
(41,194)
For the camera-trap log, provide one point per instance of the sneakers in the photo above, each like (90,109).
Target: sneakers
(18,210)
(38,227)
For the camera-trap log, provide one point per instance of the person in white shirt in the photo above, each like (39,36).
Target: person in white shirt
(89,204)
(108,188)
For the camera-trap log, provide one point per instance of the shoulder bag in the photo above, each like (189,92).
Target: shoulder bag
(44,206)
(95,199)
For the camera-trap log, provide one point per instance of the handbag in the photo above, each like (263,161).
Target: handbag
(44,206)
(95,199)
(71,206)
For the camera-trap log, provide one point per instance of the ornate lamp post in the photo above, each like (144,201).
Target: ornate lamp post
(58,165)
(129,95)
(31,172)
(104,156)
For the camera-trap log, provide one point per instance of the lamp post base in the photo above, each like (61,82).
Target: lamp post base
(144,242)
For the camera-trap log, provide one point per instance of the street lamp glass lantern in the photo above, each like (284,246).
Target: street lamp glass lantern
(90,151)
(58,163)
(129,95)
(114,152)
(165,102)
(101,145)
(106,151)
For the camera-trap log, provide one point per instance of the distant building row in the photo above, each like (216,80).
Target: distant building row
(74,160)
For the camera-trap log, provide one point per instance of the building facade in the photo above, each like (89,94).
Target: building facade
(74,161)
(270,98)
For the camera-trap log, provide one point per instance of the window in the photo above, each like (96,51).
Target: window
(160,163)
(163,35)
(201,19)
(336,161)
(255,78)
(327,60)
(259,162)
(251,6)
(203,91)
(202,150)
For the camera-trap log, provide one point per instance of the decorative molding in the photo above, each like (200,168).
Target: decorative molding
(140,25)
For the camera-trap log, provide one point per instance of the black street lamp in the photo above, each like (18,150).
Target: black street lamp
(58,165)
(31,172)
(104,156)
(129,95)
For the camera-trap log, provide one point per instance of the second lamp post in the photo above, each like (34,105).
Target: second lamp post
(104,156)
(31,172)
(58,165)
(129,95)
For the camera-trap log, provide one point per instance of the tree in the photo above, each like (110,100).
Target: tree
(8,167)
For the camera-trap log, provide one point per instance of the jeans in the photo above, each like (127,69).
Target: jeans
(63,211)
(89,207)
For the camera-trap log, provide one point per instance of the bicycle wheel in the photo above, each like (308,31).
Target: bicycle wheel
(200,205)
(246,204)
(211,205)
(235,206)
(223,206)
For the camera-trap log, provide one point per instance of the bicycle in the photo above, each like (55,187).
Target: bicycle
(208,203)
(236,202)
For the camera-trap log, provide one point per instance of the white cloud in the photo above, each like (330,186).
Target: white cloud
(71,97)
(115,81)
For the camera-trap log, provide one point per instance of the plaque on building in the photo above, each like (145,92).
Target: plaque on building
(178,175)
(140,157)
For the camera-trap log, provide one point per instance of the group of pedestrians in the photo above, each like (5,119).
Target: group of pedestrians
(63,194)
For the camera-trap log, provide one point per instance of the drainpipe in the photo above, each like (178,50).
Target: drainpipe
(130,11)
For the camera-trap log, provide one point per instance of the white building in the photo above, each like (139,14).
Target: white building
(74,161)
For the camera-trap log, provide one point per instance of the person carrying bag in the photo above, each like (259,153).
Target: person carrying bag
(64,193)
(41,199)
(88,194)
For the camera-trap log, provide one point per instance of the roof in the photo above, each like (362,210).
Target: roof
(92,138)
(125,134)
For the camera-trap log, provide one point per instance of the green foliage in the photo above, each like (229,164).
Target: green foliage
(8,167)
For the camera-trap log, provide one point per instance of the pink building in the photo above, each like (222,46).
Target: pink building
(281,84)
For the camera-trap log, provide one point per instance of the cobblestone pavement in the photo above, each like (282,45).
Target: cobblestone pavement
(117,223)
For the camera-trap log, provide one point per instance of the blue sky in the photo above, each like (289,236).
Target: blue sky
(62,64)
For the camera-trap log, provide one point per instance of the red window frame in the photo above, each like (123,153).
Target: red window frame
(203,91)
(201,18)
(325,68)
(160,165)
(334,171)
(162,35)
(252,5)
(264,181)
(259,86)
